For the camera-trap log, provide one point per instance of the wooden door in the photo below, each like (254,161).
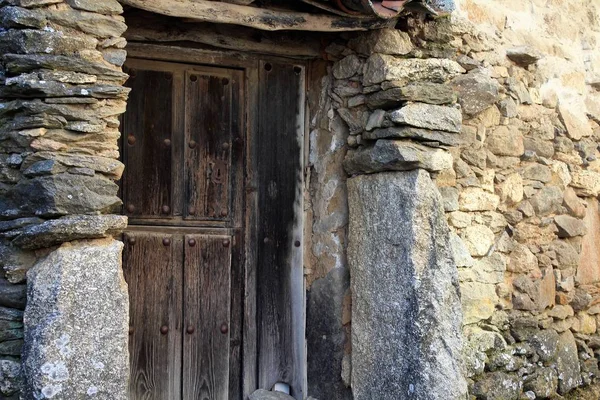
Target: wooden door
(213,252)
(183,151)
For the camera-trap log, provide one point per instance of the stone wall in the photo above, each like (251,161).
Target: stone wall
(61,96)
(504,117)
(527,209)
(398,118)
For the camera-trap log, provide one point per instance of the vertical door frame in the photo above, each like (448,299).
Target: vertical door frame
(249,64)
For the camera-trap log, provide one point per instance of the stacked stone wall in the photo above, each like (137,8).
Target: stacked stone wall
(61,96)
(400,119)
(508,129)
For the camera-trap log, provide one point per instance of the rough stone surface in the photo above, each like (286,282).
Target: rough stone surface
(394,155)
(476,199)
(385,41)
(545,344)
(391,353)
(547,200)
(522,260)
(262,394)
(588,270)
(586,183)
(12,295)
(478,239)
(15,262)
(417,134)
(478,301)
(346,67)
(381,68)
(76,324)
(524,55)
(462,256)
(542,383)
(498,386)
(68,228)
(575,122)
(424,92)
(569,226)
(567,363)
(56,195)
(428,116)
(11,378)
(504,141)
(101,7)
(476,91)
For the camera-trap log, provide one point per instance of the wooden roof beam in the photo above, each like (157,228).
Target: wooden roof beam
(254,17)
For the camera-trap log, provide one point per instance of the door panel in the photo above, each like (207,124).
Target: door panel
(207,317)
(280,297)
(152,268)
(193,208)
(147,150)
(208,129)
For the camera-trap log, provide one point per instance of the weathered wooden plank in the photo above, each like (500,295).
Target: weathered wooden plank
(208,129)
(147,150)
(250,357)
(224,58)
(207,317)
(236,319)
(153,270)
(279,260)
(254,17)
(148,28)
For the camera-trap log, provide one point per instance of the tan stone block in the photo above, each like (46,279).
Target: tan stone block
(459,219)
(586,324)
(446,178)
(561,312)
(505,141)
(547,290)
(488,118)
(522,260)
(562,299)
(588,271)
(586,183)
(478,301)
(478,239)
(563,325)
(476,199)
(576,123)
(511,190)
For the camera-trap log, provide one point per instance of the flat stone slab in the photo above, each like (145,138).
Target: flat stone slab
(425,92)
(76,324)
(410,132)
(262,394)
(395,155)
(524,55)
(69,228)
(381,67)
(428,116)
(12,295)
(476,91)
(406,314)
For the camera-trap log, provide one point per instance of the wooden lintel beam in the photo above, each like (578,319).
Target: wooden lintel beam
(290,44)
(254,17)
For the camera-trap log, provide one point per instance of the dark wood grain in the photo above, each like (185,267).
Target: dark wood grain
(207,317)
(254,285)
(250,334)
(147,124)
(280,175)
(208,120)
(153,272)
